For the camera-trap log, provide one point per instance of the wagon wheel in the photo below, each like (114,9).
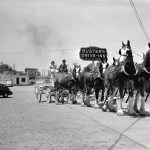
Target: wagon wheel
(57,96)
(38,97)
(38,94)
(5,95)
(67,97)
(48,95)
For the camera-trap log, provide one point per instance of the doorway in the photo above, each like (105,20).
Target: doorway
(17,80)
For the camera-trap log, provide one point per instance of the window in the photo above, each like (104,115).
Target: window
(23,79)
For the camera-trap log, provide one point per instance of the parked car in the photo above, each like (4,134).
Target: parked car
(5,91)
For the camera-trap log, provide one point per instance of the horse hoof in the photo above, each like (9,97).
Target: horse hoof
(82,105)
(62,102)
(89,105)
(74,102)
(104,108)
(101,104)
(69,102)
(142,113)
(56,103)
(115,108)
(133,113)
(136,110)
(96,106)
(120,112)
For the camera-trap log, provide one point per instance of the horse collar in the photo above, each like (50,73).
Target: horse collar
(123,55)
(123,70)
(146,70)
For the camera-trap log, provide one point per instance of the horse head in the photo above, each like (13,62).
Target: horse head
(76,71)
(146,62)
(115,62)
(101,68)
(126,58)
(124,51)
(104,67)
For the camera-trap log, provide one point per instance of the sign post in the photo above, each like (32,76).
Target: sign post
(93,65)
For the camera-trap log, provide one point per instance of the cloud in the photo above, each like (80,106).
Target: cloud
(42,37)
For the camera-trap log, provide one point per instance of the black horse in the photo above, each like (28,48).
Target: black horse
(90,82)
(142,83)
(121,76)
(67,82)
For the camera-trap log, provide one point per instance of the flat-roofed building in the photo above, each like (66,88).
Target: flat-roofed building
(16,79)
(32,73)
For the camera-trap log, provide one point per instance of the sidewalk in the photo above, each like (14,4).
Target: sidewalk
(136,128)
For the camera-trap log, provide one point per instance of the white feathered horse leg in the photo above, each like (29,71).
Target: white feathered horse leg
(82,100)
(96,106)
(120,111)
(142,108)
(136,102)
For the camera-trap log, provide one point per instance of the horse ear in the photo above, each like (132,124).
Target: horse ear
(71,70)
(123,44)
(128,43)
(79,68)
(113,59)
(144,56)
(149,45)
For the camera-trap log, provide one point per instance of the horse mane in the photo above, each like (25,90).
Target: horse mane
(146,62)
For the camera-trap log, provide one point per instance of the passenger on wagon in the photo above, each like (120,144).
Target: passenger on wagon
(63,67)
(53,70)
(53,67)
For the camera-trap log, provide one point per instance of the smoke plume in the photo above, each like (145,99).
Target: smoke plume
(42,37)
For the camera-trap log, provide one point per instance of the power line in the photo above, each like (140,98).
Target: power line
(139,20)
(37,51)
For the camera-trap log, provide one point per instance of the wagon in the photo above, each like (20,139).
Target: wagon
(46,86)
(41,87)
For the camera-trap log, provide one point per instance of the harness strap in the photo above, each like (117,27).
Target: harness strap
(123,55)
(146,70)
(123,69)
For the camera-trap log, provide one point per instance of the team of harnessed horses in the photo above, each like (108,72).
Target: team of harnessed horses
(123,76)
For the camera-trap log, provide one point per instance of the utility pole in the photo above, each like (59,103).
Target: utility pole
(93,66)
(44,72)
(13,66)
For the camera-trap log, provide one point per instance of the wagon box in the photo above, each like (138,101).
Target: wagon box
(46,86)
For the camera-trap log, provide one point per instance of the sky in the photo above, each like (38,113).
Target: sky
(35,32)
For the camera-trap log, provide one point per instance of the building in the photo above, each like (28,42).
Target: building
(16,79)
(33,73)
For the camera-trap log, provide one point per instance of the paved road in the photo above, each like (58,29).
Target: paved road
(27,125)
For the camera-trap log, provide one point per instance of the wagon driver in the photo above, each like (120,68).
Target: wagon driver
(63,67)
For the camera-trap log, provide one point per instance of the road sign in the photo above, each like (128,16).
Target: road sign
(93,53)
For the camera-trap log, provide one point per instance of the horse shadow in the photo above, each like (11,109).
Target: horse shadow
(137,115)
